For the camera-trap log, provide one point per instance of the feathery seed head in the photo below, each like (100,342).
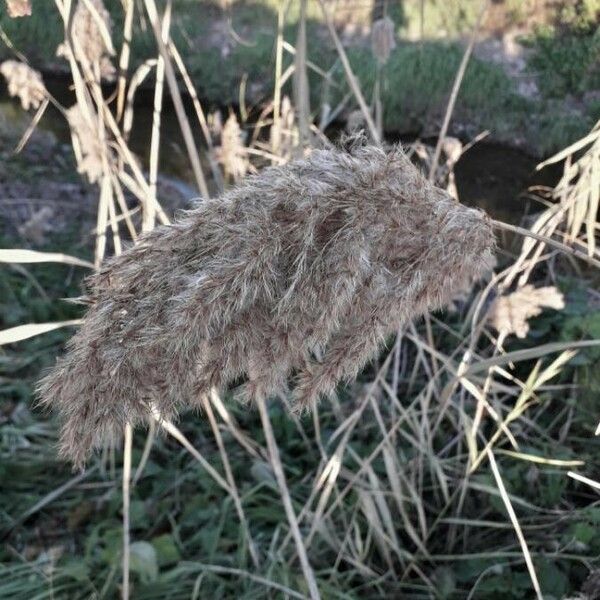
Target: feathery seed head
(322,257)
(511,313)
(87,35)
(383,39)
(24,82)
(87,143)
(18,8)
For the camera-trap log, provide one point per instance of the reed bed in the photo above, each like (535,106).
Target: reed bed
(425,477)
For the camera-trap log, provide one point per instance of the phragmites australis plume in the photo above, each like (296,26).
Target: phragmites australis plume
(91,28)
(295,276)
(231,152)
(18,8)
(24,82)
(88,146)
(383,39)
(510,314)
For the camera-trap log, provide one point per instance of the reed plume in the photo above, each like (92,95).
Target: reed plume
(510,314)
(88,146)
(383,39)
(231,152)
(18,8)
(24,83)
(92,47)
(296,276)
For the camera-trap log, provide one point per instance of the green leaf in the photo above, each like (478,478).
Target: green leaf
(166,550)
(584,532)
(143,561)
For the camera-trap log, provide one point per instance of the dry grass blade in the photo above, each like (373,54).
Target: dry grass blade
(528,354)
(32,126)
(176,434)
(177,101)
(149,214)
(287,500)
(216,173)
(516,525)
(145,452)
(17,255)
(542,460)
(206,405)
(455,89)
(591,482)
(124,57)
(23,332)
(127,447)
(301,91)
(536,379)
(287,591)
(572,149)
(350,76)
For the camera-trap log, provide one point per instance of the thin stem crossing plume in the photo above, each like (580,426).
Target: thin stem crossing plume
(295,277)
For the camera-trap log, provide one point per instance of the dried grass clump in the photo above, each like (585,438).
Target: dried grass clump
(92,46)
(24,83)
(383,39)
(510,314)
(298,273)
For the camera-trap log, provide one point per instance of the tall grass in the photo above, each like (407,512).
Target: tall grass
(442,473)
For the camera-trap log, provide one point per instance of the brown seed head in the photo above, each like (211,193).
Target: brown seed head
(18,8)
(24,82)
(383,39)
(90,45)
(321,257)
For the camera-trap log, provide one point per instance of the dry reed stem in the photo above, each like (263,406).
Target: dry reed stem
(286,499)
(300,87)
(127,446)
(515,521)
(217,176)
(32,126)
(591,482)
(25,83)
(354,234)
(177,101)
(455,89)
(277,85)
(178,435)
(352,81)
(124,57)
(549,241)
(90,35)
(145,452)
(149,214)
(206,405)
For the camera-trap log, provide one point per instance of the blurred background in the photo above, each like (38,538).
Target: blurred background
(116,114)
